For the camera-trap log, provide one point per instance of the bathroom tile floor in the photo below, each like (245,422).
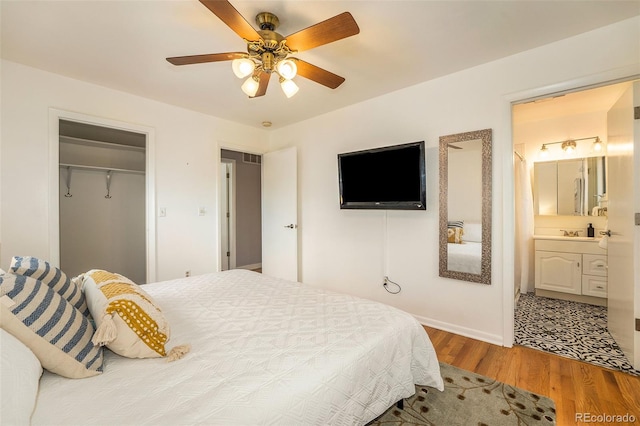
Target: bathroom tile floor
(571,329)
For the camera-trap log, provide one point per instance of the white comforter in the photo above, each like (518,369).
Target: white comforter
(264,351)
(465,257)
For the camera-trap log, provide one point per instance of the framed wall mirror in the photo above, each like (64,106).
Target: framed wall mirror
(465,206)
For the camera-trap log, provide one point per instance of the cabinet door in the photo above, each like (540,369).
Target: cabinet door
(559,271)
(594,286)
(594,264)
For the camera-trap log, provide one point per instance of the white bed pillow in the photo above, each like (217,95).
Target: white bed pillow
(473,232)
(20,373)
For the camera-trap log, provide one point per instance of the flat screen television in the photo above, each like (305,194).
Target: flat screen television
(391,177)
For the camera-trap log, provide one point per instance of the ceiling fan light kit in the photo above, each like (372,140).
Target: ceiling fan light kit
(269,52)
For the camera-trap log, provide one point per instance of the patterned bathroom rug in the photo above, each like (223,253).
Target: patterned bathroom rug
(470,399)
(570,329)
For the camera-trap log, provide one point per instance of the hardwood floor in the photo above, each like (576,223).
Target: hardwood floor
(576,387)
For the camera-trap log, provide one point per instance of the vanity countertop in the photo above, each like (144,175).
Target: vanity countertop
(563,238)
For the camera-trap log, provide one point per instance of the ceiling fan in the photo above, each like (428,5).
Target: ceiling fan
(269,52)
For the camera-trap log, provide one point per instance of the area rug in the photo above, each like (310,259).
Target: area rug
(570,329)
(470,399)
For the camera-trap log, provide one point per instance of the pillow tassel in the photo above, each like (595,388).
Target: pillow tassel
(106,332)
(178,352)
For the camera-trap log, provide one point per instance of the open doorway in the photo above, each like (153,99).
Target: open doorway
(240,210)
(561,260)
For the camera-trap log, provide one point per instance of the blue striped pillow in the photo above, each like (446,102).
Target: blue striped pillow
(53,277)
(55,331)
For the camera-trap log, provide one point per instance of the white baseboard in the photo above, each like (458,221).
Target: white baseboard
(252,266)
(462,331)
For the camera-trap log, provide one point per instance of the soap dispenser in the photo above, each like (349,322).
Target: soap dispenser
(590,231)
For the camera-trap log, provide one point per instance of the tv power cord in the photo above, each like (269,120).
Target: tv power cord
(386,283)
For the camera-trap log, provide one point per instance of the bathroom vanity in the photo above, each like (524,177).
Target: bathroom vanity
(571,268)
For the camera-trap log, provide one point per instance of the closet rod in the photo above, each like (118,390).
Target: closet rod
(82,167)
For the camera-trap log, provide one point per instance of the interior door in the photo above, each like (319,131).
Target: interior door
(624,200)
(280,214)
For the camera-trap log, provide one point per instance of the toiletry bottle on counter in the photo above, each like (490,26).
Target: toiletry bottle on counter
(590,231)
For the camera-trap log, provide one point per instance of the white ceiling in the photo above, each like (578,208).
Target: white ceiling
(123,45)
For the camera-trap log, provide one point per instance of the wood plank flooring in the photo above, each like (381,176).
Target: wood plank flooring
(576,387)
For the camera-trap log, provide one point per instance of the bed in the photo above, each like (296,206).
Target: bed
(465,257)
(263,351)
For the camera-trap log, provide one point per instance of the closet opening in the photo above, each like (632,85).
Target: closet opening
(102,200)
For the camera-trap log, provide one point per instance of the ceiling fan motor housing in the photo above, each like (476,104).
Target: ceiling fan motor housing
(267,21)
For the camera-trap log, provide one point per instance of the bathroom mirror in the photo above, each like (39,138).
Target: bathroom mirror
(465,206)
(575,187)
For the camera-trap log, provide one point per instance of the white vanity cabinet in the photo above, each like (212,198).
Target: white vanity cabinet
(571,269)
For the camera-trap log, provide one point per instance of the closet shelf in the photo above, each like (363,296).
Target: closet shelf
(91,142)
(106,169)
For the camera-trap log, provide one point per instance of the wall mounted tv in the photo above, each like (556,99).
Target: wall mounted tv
(391,178)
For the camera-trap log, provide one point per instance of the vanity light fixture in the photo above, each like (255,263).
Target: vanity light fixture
(544,151)
(569,146)
(597,145)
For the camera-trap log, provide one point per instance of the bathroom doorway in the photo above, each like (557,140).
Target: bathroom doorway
(553,316)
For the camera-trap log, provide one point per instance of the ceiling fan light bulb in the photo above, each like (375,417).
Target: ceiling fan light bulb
(287,69)
(242,67)
(289,87)
(250,87)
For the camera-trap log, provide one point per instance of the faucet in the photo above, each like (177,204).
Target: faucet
(571,233)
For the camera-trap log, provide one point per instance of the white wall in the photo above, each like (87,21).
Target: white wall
(343,250)
(186,162)
(340,250)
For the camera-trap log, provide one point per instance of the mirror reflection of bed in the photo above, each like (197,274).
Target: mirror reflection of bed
(465,256)
(465,206)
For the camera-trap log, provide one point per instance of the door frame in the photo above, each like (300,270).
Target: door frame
(55,115)
(232,213)
(506,170)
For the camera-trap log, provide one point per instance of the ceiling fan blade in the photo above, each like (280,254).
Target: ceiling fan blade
(264,82)
(333,29)
(454,146)
(230,16)
(200,59)
(319,75)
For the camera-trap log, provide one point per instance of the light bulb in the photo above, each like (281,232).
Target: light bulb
(287,69)
(289,87)
(250,87)
(544,151)
(242,67)
(597,145)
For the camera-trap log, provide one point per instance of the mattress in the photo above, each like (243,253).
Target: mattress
(264,351)
(465,257)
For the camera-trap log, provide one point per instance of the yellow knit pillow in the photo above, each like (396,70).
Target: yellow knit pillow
(127,320)
(454,235)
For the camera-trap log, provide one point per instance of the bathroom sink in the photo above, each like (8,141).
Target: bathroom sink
(561,238)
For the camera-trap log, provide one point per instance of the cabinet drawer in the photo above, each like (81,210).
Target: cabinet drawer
(593,264)
(594,286)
